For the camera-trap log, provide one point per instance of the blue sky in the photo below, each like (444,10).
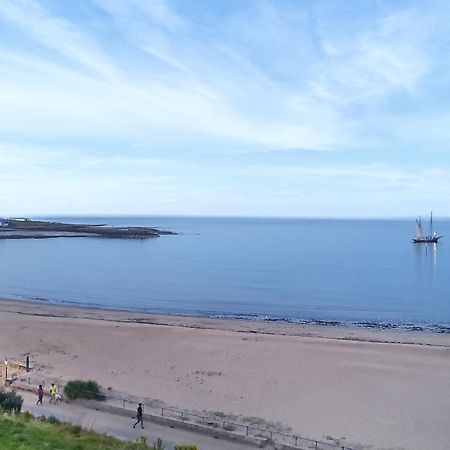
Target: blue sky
(253,108)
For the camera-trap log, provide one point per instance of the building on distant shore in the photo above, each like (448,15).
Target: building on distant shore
(4,222)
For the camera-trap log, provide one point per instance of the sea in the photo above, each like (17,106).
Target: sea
(362,273)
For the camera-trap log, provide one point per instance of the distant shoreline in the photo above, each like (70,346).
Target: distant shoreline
(283,328)
(260,320)
(23,228)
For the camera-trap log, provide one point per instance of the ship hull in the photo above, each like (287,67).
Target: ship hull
(425,240)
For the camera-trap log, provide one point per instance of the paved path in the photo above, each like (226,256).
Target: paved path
(122,427)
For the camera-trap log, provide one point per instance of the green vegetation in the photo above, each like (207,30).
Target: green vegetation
(10,401)
(25,432)
(83,389)
(158,445)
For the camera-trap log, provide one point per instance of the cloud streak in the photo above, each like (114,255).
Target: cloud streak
(84,84)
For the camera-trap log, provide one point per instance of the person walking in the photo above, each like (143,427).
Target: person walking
(139,416)
(52,393)
(40,394)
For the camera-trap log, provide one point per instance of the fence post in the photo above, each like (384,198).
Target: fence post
(246,431)
(203,421)
(123,404)
(316,445)
(271,434)
(296,441)
(182,416)
(162,412)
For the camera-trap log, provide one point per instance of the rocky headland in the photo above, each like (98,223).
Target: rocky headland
(37,229)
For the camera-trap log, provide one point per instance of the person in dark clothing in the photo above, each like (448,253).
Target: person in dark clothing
(40,394)
(139,416)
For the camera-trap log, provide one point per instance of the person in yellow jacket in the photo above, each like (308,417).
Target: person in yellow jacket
(53,391)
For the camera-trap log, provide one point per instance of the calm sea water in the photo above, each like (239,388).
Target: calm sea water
(345,271)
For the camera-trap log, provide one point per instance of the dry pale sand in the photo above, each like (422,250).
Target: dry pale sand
(377,389)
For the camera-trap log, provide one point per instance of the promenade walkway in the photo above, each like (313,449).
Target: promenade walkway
(122,427)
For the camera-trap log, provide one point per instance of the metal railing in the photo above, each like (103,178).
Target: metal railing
(223,424)
(219,423)
(12,368)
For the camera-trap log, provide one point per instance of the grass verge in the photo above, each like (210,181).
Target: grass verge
(25,432)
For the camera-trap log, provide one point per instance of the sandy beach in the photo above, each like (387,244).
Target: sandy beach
(369,389)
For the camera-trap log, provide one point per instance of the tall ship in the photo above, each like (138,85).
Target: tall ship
(420,238)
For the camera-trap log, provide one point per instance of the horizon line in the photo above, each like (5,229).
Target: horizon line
(218,216)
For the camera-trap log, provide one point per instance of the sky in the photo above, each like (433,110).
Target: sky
(284,108)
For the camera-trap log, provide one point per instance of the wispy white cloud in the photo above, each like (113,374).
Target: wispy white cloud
(187,102)
(136,78)
(436,172)
(392,53)
(56,33)
(140,12)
